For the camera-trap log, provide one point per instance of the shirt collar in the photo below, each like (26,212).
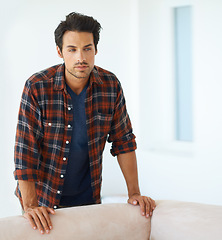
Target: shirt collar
(95,77)
(59,79)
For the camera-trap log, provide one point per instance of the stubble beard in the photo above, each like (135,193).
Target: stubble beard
(75,74)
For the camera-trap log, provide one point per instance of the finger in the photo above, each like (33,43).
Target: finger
(148,208)
(151,206)
(152,202)
(43,221)
(37,222)
(30,219)
(132,201)
(142,207)
(47,218)
(51,210)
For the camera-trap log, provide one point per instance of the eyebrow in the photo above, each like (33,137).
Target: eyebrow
(88,45)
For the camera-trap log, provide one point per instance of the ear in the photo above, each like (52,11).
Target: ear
(96,52)
(59,52)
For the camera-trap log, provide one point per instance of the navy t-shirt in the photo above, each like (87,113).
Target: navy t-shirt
(77,184)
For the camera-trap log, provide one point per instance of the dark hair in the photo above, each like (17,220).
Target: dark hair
(80,23)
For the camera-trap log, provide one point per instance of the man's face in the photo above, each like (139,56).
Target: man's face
(78,53)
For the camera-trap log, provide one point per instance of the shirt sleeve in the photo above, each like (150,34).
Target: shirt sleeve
(28,136)
(121,134)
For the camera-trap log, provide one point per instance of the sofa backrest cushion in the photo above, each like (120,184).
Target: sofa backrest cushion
(118,221)
(174,220)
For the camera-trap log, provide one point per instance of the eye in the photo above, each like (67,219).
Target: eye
(72,50)
(88,49)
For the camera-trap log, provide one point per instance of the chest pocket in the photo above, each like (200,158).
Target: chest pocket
(104,123)
(53,132)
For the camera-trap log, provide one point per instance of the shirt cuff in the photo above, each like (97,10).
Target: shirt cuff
(123,147)
(26,174)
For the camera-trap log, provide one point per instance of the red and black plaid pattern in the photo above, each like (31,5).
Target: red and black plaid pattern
(44,130)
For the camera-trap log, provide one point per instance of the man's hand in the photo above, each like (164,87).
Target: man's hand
(147,204)
(39,218)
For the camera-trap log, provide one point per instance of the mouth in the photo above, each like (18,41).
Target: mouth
(81,67)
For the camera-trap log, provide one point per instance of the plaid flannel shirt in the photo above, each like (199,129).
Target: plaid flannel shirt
(44,130)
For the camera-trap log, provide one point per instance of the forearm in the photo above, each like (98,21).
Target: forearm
(28,192)
(128,165)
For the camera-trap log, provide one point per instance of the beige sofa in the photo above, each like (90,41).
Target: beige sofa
(172,220)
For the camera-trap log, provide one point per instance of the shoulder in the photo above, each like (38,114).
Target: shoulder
(105,74)
(45,75)
(108,77)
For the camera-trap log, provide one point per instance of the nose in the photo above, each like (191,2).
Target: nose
(81,57)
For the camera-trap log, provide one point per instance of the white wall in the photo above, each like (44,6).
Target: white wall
(136,44)
(170,169)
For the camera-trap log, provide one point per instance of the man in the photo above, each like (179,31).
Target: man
(66,113)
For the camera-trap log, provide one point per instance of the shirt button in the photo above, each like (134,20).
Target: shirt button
(69,108)
(62,176)
(69,126)
(55,207)
(67,142)
(58,192)
(50,124)
(64,159)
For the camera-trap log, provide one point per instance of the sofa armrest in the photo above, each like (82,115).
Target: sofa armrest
(95,222)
